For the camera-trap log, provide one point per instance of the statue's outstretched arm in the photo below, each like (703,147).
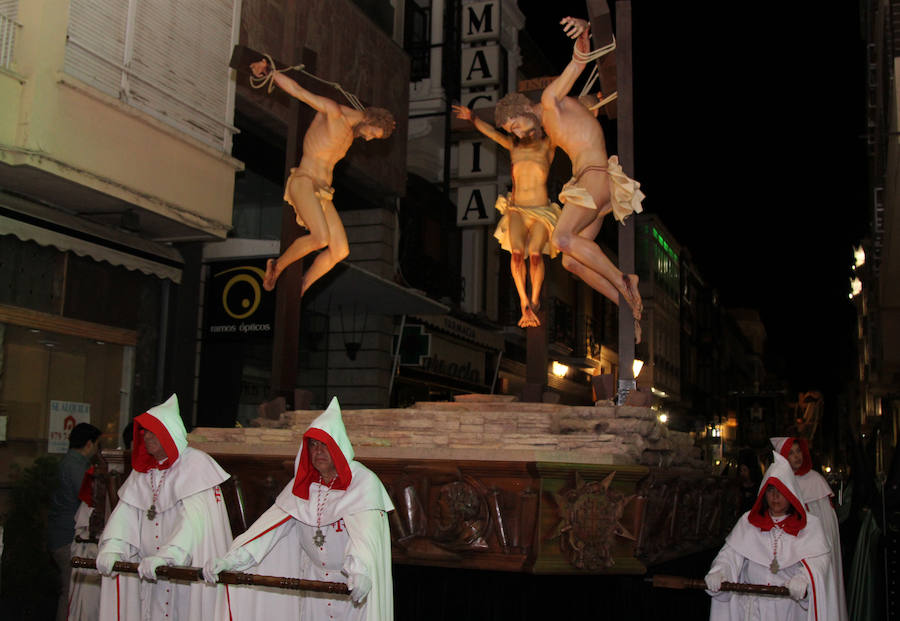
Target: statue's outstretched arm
(290,86)
(464,113)
(316,102)
(561,86)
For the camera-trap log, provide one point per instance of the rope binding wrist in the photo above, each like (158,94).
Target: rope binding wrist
(268,81)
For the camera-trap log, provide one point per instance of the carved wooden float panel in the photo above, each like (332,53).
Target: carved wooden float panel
(503,516)
(536,517)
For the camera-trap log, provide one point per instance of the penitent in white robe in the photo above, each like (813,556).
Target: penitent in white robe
(84,584)
(359,543)
(816,495)
(796,542)
(353,517)
(746,557)
(190,525)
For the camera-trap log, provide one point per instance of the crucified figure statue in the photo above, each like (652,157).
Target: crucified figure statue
(308,189)
(598,186)
(528,217)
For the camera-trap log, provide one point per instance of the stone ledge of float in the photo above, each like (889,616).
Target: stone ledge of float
(633,411)
(268,449)
(524,454)
(206,440)
(520,407)
(535,417)
(246,435)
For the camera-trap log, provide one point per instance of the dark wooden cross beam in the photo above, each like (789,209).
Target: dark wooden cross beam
(602,33)
(625,144)
(242,56)
(286,338)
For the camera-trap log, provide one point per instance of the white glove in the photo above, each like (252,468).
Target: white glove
(360,585)
(105,562)
(236,560)
(714,580)
(148,565)
(797,586)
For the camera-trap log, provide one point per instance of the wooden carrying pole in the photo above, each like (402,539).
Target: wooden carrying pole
(680,582)
(195,574)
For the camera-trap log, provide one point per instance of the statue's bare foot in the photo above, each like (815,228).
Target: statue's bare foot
(637,331)
(633,295)
(529,319)
(270,277)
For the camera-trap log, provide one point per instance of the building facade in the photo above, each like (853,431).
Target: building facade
(876,264)
(115,166)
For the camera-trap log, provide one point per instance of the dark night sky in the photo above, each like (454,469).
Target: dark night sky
(748,143)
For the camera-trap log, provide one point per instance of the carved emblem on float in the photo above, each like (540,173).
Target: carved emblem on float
(590,520)
(462,518)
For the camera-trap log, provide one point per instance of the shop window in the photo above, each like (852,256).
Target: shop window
(51,381)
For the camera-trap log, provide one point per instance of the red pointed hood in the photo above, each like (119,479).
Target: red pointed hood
(86,492)
(329,429)
(780,475)
(783,446)
(165,422)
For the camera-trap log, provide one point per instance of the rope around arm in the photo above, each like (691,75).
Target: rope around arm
(268,81)
(586,57)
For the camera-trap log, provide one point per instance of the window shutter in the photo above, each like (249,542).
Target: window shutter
(96,42)
(9,8)
(170,62)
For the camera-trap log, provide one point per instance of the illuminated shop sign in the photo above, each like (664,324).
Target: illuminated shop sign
(237,306)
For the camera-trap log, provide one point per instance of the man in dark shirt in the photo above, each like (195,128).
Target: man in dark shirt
(83,443)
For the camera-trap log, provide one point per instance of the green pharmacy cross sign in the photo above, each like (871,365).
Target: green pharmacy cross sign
(415,345)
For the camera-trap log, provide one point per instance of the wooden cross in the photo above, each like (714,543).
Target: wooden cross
(602,34)
(286,339)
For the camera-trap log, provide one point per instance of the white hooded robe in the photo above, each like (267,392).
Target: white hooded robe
(816,495)
(750,548)
(84,584)
(190,526)
(353,517)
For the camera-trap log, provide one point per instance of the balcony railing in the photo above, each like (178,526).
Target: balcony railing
(9,31)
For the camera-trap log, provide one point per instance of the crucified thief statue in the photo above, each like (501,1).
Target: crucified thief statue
(308,188)
(527,215)
(598,185)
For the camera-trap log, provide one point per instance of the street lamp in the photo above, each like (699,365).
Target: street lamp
(636,367)
(559,369)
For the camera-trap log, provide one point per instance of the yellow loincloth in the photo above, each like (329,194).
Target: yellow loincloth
(546,215)
(625,194)
(322,192)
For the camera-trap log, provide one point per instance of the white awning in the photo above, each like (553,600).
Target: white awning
(29,221)
(349,284)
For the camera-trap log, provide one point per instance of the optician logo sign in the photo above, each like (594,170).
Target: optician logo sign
(237,305)
(234,276)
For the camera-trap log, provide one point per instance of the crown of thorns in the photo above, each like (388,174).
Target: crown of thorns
(511,106)
(379,117)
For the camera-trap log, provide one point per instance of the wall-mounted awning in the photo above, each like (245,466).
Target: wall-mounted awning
(347,285)
(46,226)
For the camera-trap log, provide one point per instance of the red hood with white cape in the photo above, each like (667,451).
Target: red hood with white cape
(357,497)
(356,488)
(190,524)
(817,499)
(187,471)
(812,484)
(801,548)
(806,540)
